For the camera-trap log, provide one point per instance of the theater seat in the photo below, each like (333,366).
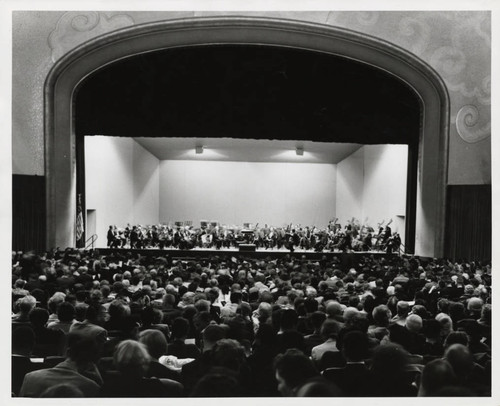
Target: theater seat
(52,361)
(175,389)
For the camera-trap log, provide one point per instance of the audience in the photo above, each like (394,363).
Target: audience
(141,326)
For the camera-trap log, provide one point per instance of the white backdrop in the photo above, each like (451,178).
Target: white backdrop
(240,192)
(127,184)
(371,183)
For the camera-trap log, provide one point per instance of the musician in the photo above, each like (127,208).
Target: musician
(112,240)
(126,236)
(121,239)
(367,241)
(154,236)
(379,238)
(387,234)
(345,243)
(134,237)
(393,243)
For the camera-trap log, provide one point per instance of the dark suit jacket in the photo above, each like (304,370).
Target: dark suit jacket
(290,339)
(193,371)
(36,382)
(312,340)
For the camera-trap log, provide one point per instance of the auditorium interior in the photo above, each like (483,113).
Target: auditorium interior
(267,178)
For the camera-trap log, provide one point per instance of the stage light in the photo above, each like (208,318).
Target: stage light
(299,150)
(199,149)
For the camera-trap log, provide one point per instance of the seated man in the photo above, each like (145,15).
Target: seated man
(194,370)
(436,375)
(89,326)
(293,369)
(23,340)
(178,346)
(66,317)
(353,379)
(329,331)
(47,341)
(315,339)
(78,370)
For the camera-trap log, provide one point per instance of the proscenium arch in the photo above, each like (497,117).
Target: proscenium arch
(69,71)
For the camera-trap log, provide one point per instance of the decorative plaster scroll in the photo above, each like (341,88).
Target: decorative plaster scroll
(462,63)
(417,33)
(75,28)
(448,60)
(467,125)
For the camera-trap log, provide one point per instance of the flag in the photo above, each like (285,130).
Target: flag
(79,219)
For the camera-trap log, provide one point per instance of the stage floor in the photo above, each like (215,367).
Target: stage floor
(197,252)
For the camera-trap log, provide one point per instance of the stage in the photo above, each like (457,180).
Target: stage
(246,252)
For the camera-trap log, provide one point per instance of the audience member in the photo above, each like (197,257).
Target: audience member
(293,369)
(77,370)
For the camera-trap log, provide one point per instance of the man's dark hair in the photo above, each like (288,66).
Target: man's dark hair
(432,328)
(355,346)
(219,383)
(92,312)
(436,375)
(317,319)
(82,349)
(399,335)
(329,329)
(289,319)
(66,312)
(461,360)
(294,367)
(235,297)
(180,327)
(38,317)
(148,316)
(319,388)
(23,340)
(456,337)
(389,360)
(213,333)
(81,295)
(228,353)
(311,305)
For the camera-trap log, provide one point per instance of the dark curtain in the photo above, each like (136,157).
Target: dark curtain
(28,213)
(468,222)
(80,186)
(411,198)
